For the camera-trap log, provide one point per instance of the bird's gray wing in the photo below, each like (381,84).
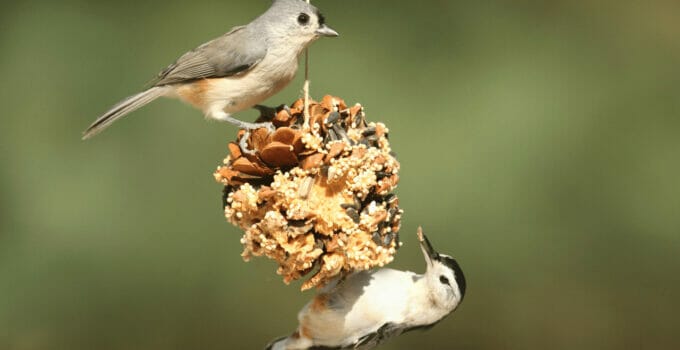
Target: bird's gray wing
(232,53)
(371,340)
(385,332)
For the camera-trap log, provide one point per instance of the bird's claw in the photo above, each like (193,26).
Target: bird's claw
(243,143)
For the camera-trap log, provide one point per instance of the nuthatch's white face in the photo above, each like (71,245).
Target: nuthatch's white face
(444,276)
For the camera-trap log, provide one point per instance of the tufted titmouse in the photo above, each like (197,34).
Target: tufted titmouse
(237,70)
(369,307)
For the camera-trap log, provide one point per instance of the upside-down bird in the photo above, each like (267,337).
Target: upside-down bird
(369,307)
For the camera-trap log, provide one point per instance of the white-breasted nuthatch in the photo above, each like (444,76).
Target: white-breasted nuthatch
(369,307)
(236,71)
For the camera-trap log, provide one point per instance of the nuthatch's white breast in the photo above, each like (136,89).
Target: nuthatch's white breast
(369,307)
(235,71)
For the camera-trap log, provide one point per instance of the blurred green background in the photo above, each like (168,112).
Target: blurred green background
(538,142)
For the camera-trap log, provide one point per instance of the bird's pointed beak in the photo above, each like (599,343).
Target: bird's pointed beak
(325,30)
(430,254)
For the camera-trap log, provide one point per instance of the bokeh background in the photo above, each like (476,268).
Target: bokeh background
(539,143)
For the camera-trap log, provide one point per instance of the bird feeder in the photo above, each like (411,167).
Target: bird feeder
(316,196)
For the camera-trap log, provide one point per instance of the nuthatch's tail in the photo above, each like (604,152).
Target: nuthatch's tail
(292,342)
(124,107)
(276,344)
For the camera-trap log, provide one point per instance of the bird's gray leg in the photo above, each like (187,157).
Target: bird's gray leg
(216,111)
(244,125)
(221,115)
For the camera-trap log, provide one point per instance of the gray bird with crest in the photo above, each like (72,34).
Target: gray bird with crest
(236,71)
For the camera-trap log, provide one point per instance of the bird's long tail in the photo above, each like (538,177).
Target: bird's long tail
(124,107)
(277,344)
(295,341)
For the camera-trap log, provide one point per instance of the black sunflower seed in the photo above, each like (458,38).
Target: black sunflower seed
(358,120)
(332,118)
(376,238)
(388,239)
(365,142)
(392,213)
(382,174)
(369,131)
(331,135)
(390,198)
(342,134)
(353,214)
(357,202)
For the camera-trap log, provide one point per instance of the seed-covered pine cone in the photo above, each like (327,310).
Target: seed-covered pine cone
(316,197)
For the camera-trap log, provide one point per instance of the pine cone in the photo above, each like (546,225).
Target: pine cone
(317,196)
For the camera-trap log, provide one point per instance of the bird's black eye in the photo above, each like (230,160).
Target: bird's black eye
(303,18)
(443,279)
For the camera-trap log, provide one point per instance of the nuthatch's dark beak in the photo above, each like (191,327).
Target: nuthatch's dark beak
(325,30)
(430,254)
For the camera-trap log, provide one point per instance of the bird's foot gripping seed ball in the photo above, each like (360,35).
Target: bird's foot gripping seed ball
(315,197)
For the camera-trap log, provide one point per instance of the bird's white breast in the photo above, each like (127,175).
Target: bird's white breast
(358,306)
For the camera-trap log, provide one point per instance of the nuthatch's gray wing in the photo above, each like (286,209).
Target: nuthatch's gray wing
(386,332)
(383,333)
(233,53)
